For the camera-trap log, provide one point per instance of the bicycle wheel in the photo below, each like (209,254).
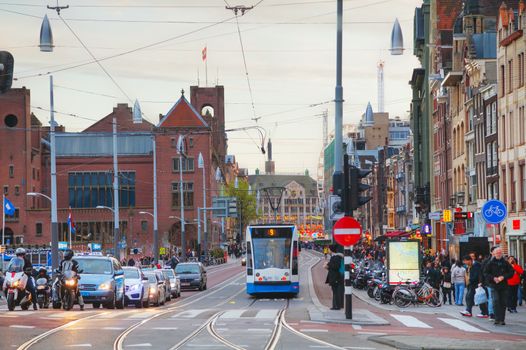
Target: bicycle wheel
(402,298)
(435,299)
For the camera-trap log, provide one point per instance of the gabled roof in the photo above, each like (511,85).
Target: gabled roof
(124,116)
(182,115)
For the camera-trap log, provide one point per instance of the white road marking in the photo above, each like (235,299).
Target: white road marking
(140,316)
(233,314)
(189,313)
(259,330)
(21,326)
(139,345)
(113,328)
(410,321)
(314,330)
(8,316)
(79,346)
(165,328)
(76,328)
(358,348)
(316,322)
(463,326)
(357,327)
(267,313)
(319,346)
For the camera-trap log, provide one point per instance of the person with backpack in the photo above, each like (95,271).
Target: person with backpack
(335,277)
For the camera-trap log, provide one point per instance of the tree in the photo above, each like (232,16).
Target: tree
(246,202)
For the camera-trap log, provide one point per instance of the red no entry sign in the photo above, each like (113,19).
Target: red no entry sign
(347,231)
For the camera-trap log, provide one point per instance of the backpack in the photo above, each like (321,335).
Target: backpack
(342,267)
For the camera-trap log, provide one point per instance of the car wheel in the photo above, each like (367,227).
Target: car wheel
(96,305)
(146,303)
(158,301)
(111,305)
(120,303)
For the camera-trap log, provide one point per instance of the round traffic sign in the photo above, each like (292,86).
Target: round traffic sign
(494,211)
(347,231)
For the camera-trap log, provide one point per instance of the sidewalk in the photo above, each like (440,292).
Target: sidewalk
(321,295)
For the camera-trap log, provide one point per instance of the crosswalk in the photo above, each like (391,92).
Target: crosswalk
(230,314)
(413,322)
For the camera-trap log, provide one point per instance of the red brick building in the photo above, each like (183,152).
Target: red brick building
(85,172)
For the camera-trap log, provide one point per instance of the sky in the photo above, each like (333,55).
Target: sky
(289,48)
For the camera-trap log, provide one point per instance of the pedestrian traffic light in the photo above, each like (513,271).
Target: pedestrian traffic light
(6,71)
(357,187)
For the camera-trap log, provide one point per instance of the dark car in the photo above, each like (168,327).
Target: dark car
(192,275)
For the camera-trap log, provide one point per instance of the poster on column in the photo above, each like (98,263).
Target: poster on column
(403,261)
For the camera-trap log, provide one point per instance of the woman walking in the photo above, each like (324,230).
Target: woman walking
(514,284)
(446,284)
(458,277)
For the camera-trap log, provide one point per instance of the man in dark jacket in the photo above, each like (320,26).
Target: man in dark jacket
(335,277)
(28,270)
(497,272)
(474,273)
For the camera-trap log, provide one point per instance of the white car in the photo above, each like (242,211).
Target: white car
(175,283)
(136,287)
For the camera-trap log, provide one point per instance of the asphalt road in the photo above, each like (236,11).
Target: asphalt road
(223,317)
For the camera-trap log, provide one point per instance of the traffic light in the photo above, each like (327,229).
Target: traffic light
(6,71)
(357,187)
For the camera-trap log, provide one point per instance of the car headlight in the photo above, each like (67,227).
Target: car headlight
(172,284)
(134,287)
(105,286)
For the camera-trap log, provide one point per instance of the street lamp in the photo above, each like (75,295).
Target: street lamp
(36,194)
(182,153)
(397,39)
(115,229)
(155,235)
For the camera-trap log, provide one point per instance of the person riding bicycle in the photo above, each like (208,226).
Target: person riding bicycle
(70,264)
(28,270)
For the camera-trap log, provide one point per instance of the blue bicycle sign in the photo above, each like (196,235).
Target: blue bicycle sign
(494,211)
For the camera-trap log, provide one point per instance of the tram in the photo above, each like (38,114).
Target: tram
(272,259)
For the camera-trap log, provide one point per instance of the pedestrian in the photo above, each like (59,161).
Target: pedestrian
(131,262)
(513,284)
(474,280)
(445,283)
(458,276)
(335,277)
(497,272)
(487,286)
(325,251)
(432,275)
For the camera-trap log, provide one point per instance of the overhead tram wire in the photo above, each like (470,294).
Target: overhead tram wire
(127,52)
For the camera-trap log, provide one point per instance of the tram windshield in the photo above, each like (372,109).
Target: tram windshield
(271,253)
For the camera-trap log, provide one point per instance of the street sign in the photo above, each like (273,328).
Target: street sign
(494,211)
(434,215)
(95,247)
(446,215)
(62,245)
(347,231)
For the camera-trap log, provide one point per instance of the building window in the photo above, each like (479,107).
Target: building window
(513,185)
(510,76)
(17,190)
(90,189)
(38,229)
(188,195)
(494,117)
(504,187)
(521,69)
(34,173)
(191,142)
(503,78)
(13,218)
(504,141)
(511,137)
(521,125)
(11,171)
(144,225)
(6,190)
(522,186)
(188,164)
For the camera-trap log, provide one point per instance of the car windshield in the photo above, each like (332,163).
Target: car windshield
(151,278)
(131,273)
(95,266)
(16,265)
(169,273)
(187,269)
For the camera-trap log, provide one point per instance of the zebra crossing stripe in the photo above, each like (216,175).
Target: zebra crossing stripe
(410,321)
(233,314)
(463,326)
(267,313)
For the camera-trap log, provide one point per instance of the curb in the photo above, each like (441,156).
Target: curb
(402,346)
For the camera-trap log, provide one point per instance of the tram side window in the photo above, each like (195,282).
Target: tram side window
(249,258)
(295,258)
